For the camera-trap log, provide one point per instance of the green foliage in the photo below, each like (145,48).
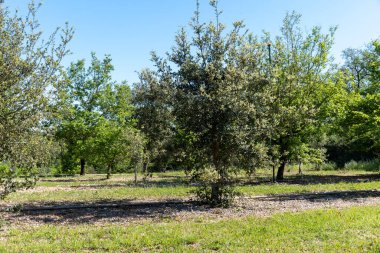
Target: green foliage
(10,182)
(212,190)
(362,68)
(151,97)
(331,166)
(302,90)
(373,165)
(77,108)
(214,95)
(358,125)
(28,65)
(94,119)
(361,124)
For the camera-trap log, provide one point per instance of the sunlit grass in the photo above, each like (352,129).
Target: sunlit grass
(350,230)
(169,192)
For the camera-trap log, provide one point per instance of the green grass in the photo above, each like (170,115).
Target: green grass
(167,185)
(373,165)
(350,230)
(99,194)
(177,177)
(272,189)
(118,193)
(100,179)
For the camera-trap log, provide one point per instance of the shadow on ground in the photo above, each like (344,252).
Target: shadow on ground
(130,210)
(332,179)
(167,182)
(320,179)
(180,181)
(114,211)
(323,196)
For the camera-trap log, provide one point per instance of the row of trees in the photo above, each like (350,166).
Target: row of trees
(219,102)
(222,101)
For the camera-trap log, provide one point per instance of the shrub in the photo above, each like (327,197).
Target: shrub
(213,190)
(373,165)
(329,166)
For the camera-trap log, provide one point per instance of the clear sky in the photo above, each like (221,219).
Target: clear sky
(129,30)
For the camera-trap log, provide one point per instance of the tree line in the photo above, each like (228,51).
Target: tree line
(220,102)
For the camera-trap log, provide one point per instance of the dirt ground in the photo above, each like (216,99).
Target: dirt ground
(127,211)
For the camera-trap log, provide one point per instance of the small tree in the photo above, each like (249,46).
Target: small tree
(78,108)
(28,66)
(356,128)
(94,118)
(301,86)
(152,98)
(216,99)
(116,143)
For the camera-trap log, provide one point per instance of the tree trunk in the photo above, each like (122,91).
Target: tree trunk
(109,171)
(135,174)
(300,167)
(283,158)
(215,194)
(215,187)
(145,166)
(145,170)
(82,167)
(281,170)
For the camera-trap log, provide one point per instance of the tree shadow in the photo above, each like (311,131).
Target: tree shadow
(147,184)
(318,179)
(128,210)
(114,211)
(331,179)
(71,180)
(323,196)
(178,181)
(165,181)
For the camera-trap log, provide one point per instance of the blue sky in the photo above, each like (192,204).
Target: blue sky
(129,30)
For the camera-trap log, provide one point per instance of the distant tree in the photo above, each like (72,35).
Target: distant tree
(152,98)
(94,118)
(116,143)
(28,65)
(360,122)
(356,65)
(78,108)
(362,67)
(373,67)
(301,86)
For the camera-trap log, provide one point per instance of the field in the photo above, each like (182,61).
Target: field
(326,211)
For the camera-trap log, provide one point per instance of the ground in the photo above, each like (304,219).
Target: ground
(328,211)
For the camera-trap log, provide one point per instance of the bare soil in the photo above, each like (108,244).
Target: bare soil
(127,211)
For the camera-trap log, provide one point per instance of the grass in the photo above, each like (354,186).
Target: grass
(373,165)
(354,229)
(99,194)
(100,179)
(118,193)
(173,185)
(272,189)
(350,230)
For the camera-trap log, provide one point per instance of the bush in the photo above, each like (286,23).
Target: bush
(214,190)
(329,166)
(373,165)
(10,179)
